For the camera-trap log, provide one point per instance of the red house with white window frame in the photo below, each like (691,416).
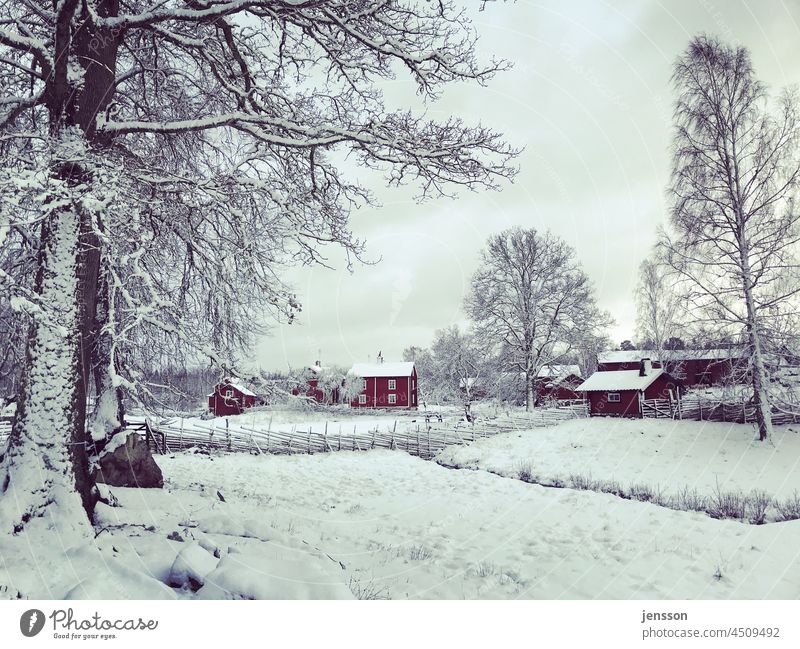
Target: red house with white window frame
(386,385)
(230,398)
(619,393)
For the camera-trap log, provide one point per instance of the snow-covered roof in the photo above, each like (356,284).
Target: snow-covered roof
(234,383)
(635,355)
(618,380)
(558,371)
(626,356)
(383,369)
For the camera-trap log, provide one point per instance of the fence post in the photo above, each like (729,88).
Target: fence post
(228,433)
(309,440)
(180,438)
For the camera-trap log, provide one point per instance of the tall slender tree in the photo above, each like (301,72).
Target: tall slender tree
(734,175)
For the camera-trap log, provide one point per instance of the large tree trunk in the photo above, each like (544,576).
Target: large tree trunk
(44,478)
(757,369)
(530,397)
(109,412)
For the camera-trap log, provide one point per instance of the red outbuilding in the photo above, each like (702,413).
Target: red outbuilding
(619,393)
(230,398)
(385,385)
(558,382)
(691,366)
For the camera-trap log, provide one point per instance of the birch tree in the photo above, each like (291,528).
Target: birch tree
(734,175)
(167,158)
(533,302)
(658,309)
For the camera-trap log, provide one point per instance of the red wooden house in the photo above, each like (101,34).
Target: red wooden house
(230,398)
(558,382)
(619,393)
(691,366)
(386,385)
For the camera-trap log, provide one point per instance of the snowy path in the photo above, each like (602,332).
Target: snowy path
(405,527)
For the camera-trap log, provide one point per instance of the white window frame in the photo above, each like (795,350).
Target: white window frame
(392,398)
(229,394)
(613,397)
(363,384)
(362,399)
(392,384)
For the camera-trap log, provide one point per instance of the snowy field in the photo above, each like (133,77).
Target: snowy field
(382,524)
(660,453)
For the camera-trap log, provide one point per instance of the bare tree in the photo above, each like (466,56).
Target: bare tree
(532,301)
(735,170)
(658,308)
(168,159)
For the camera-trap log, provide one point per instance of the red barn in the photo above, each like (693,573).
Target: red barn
(619,393)
(230,398)
(386,385)
(558,382)
(691,366)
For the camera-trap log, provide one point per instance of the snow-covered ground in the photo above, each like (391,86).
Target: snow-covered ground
(385,524)
(661,453)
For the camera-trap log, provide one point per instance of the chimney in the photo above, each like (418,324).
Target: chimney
(645,366)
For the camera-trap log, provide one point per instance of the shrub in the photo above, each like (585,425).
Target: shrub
(579,481)
(789,509)
(757,504)
(367,590)
(727,504)
(689,500)
(525,471)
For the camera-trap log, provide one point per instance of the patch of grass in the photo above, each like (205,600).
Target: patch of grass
(757,504)
(583,482)
(525,471)
(485,569)
(689,500)
(789,509)
(367,590)
(611,487)
(420,553)
(353,509)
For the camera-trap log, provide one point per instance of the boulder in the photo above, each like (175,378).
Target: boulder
(127,462)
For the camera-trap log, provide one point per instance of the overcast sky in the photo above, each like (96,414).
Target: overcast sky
(590,100)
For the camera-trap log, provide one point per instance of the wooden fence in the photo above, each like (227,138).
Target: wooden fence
(5,430)
(705,409)
(424,440)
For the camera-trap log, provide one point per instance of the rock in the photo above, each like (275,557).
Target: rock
(127,462)
(191,566)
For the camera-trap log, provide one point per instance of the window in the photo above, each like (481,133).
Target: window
(228,394)
(613,397)
(392,398)
(364,384)
(392,384)
(362,399)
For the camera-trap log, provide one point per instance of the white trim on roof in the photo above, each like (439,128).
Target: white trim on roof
(618,380)
(370,370)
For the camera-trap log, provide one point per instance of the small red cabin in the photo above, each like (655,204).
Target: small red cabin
(558,382)
(619,393)
(386,385)
(230,398)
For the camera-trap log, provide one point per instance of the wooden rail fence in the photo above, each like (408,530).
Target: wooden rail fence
(423,440)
